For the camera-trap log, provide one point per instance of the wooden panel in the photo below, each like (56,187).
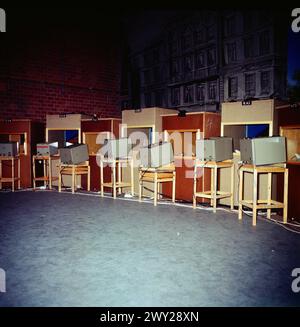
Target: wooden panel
(293,190)
(209,124)
(235,112)
(91,130)
(288,116)
(96,126)
(292,141)
(63,121)
(34,134)
(237,132)
(212,123)
(183,123)
(185,181)
(147,116)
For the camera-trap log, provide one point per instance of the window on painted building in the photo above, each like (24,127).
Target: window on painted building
(231,52)
(265,82)
(250,85)
(230,25)
(232,87)
(200,92)
(199,36)
(212,91)
(175,96)
(173,44)
(157,74)
(188,94)
(211,57)
(148,99)
(264,43)
(199,62)
(187,39)
(147,77)
(156,55)
(248,20)
(147,59)
(174,68)
(188,64)
(159,96)
(249,47)
(210,32)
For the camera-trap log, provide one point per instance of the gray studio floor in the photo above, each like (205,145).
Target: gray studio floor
(79,250)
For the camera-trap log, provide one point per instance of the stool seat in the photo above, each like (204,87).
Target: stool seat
(47,177)
(256,204)
(74,170)
(157,175)
(116,182)
(213,194)
(13,178)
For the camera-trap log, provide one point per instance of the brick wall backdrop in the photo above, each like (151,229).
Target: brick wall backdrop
(59,71)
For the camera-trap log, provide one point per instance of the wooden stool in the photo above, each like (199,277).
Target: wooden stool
(157,175)
(74,170)
(268,204)
(214,194)
(13,178)
(47,177)
(116,182)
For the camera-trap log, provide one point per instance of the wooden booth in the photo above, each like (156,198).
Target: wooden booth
(248,119)
(27,133)
(94,132)
(64,129)
(146,122)
(78,128)
(289,126)
(206,124)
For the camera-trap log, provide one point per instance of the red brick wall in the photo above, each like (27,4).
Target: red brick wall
(59,72)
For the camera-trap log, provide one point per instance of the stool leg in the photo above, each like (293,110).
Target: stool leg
(173,186)
(241,186)
(33,172)
(101,178)
(140,186)
(269,194)
(132,177)
(73,180)
(231,187)
(255,178)
(1,174)
(89,179)
(285,196)
(211,186)
(45,172)
(155,188)
(19,173)
(59,179)
(114,181)
(215,188)
(119,178)
(13,174)
(50,173)
(195,188)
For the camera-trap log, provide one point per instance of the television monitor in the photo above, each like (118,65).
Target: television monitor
(117,148)
(47,149)
(156,155)
(214,149)
(9,149)
(263,150)
(74,154)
